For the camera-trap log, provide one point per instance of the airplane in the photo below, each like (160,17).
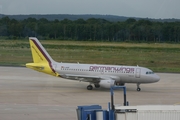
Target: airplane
(100,75)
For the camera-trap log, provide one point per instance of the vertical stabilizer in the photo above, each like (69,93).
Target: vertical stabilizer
(39,54)
(42,61)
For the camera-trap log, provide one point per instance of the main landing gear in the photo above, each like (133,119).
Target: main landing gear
(89,87)
(119,84)
(138,88)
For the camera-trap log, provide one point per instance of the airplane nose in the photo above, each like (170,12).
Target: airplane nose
(156,78)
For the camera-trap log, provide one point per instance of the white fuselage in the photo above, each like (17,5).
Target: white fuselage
(122,74)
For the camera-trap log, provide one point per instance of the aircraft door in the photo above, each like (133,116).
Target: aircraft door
(138,71)
(102,71)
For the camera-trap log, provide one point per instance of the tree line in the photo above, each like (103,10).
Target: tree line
(91,29)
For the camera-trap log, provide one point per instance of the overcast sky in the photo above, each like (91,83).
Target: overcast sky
(129,8)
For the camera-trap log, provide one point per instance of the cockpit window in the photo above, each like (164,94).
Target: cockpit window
(149,72)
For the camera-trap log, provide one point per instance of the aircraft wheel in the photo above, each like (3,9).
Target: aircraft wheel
(138,89)
(96,85)
(89,87)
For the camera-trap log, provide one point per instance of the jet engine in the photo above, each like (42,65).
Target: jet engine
(107,83)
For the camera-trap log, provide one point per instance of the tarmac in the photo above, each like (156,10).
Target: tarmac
(29,95)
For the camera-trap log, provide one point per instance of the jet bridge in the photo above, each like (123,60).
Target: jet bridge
(116,112)
(95,112)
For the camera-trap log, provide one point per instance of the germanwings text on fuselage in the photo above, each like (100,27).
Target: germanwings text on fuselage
(118,69)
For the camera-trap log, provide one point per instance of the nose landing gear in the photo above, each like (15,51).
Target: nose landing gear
(138,88)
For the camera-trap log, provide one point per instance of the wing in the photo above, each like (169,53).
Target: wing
(84,78)
(88,78)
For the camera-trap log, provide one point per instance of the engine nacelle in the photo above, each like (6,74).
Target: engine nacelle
(107,83)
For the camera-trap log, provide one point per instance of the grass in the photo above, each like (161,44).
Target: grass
(160,57)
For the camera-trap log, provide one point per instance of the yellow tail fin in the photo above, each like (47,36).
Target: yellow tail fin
(39,54)
(42,61)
